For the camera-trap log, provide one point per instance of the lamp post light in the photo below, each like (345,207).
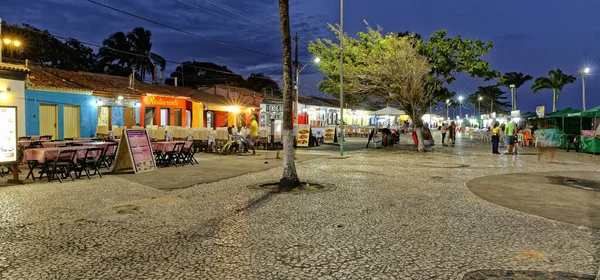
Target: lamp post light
(479,103)
(582,73)
(460,99)
(513,97)
(7,41)
(297,89)
(342,76)
(447,105)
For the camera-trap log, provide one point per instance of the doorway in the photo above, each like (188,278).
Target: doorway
(49,120)
(105,116)
(188,118)
(149,116)
(128,117)
(71,122)
(177,116)
(209,119)
(164,117)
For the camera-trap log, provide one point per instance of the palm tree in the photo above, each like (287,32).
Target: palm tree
(555,81)
(514,80)
(117,41)
(132,50)
(490,96)
(289,179)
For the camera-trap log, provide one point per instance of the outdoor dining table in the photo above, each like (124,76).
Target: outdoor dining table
(102,145)
(50,144)
(37,156)
(27,143)
(167,146)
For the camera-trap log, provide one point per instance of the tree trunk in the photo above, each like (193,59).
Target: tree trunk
(289,178)
(419,129)
(554,101)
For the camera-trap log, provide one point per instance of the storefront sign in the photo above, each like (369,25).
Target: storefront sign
(152,100)
(135,152)
(540,111)
(329,136)
(274,108)
(515,114)
(114,102)
(8,134)
(303,135)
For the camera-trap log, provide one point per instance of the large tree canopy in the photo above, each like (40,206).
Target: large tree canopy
(369,57)
(42,48)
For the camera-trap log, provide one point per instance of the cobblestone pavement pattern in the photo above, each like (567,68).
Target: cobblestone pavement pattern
(393,214)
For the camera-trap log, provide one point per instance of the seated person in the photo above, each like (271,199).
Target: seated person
(241,140)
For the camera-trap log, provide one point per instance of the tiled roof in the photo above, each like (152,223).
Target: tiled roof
(13,67)
(85,81)
(309,100)
(333,102)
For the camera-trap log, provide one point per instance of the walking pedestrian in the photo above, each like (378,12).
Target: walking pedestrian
(495,138)
(452,134)
(509,131)
(444,131)
(253,134)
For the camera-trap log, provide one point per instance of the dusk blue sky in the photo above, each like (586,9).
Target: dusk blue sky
(532,37)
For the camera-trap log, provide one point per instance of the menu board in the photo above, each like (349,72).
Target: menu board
(135,152)
(303,135)
(8,134)
(329,136)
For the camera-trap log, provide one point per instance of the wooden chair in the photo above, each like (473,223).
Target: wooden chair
(91,161)
(173,156)
(62,166)
(108,157)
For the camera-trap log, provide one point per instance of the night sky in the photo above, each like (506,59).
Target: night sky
(529,36)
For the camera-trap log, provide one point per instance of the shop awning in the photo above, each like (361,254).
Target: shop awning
(389,111)
(594,112)
(563,113)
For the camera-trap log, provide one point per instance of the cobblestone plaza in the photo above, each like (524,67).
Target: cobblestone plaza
(386,214)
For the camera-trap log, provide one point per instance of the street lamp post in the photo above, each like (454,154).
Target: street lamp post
(479,110)
(297,89)
(447,105)
(342,76)
(513,97)
(460,98)
(582,73)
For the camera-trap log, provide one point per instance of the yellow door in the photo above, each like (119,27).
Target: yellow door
(48,120)
(71,121)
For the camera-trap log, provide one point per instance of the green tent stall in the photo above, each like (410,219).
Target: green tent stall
(590,144)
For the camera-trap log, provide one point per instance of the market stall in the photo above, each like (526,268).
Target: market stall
(388,116)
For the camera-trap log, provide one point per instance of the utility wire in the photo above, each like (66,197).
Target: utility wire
(180,30)
(209,11)
(140,55)
(232,10)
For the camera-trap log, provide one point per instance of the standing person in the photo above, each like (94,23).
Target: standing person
(444,131)
(495,138)
(253,134)
(452,134)
(509,131)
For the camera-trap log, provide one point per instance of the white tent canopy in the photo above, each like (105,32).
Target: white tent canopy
(389,111)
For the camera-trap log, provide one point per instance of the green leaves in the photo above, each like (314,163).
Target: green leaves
(514,78)
(556,80)
(492,99)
